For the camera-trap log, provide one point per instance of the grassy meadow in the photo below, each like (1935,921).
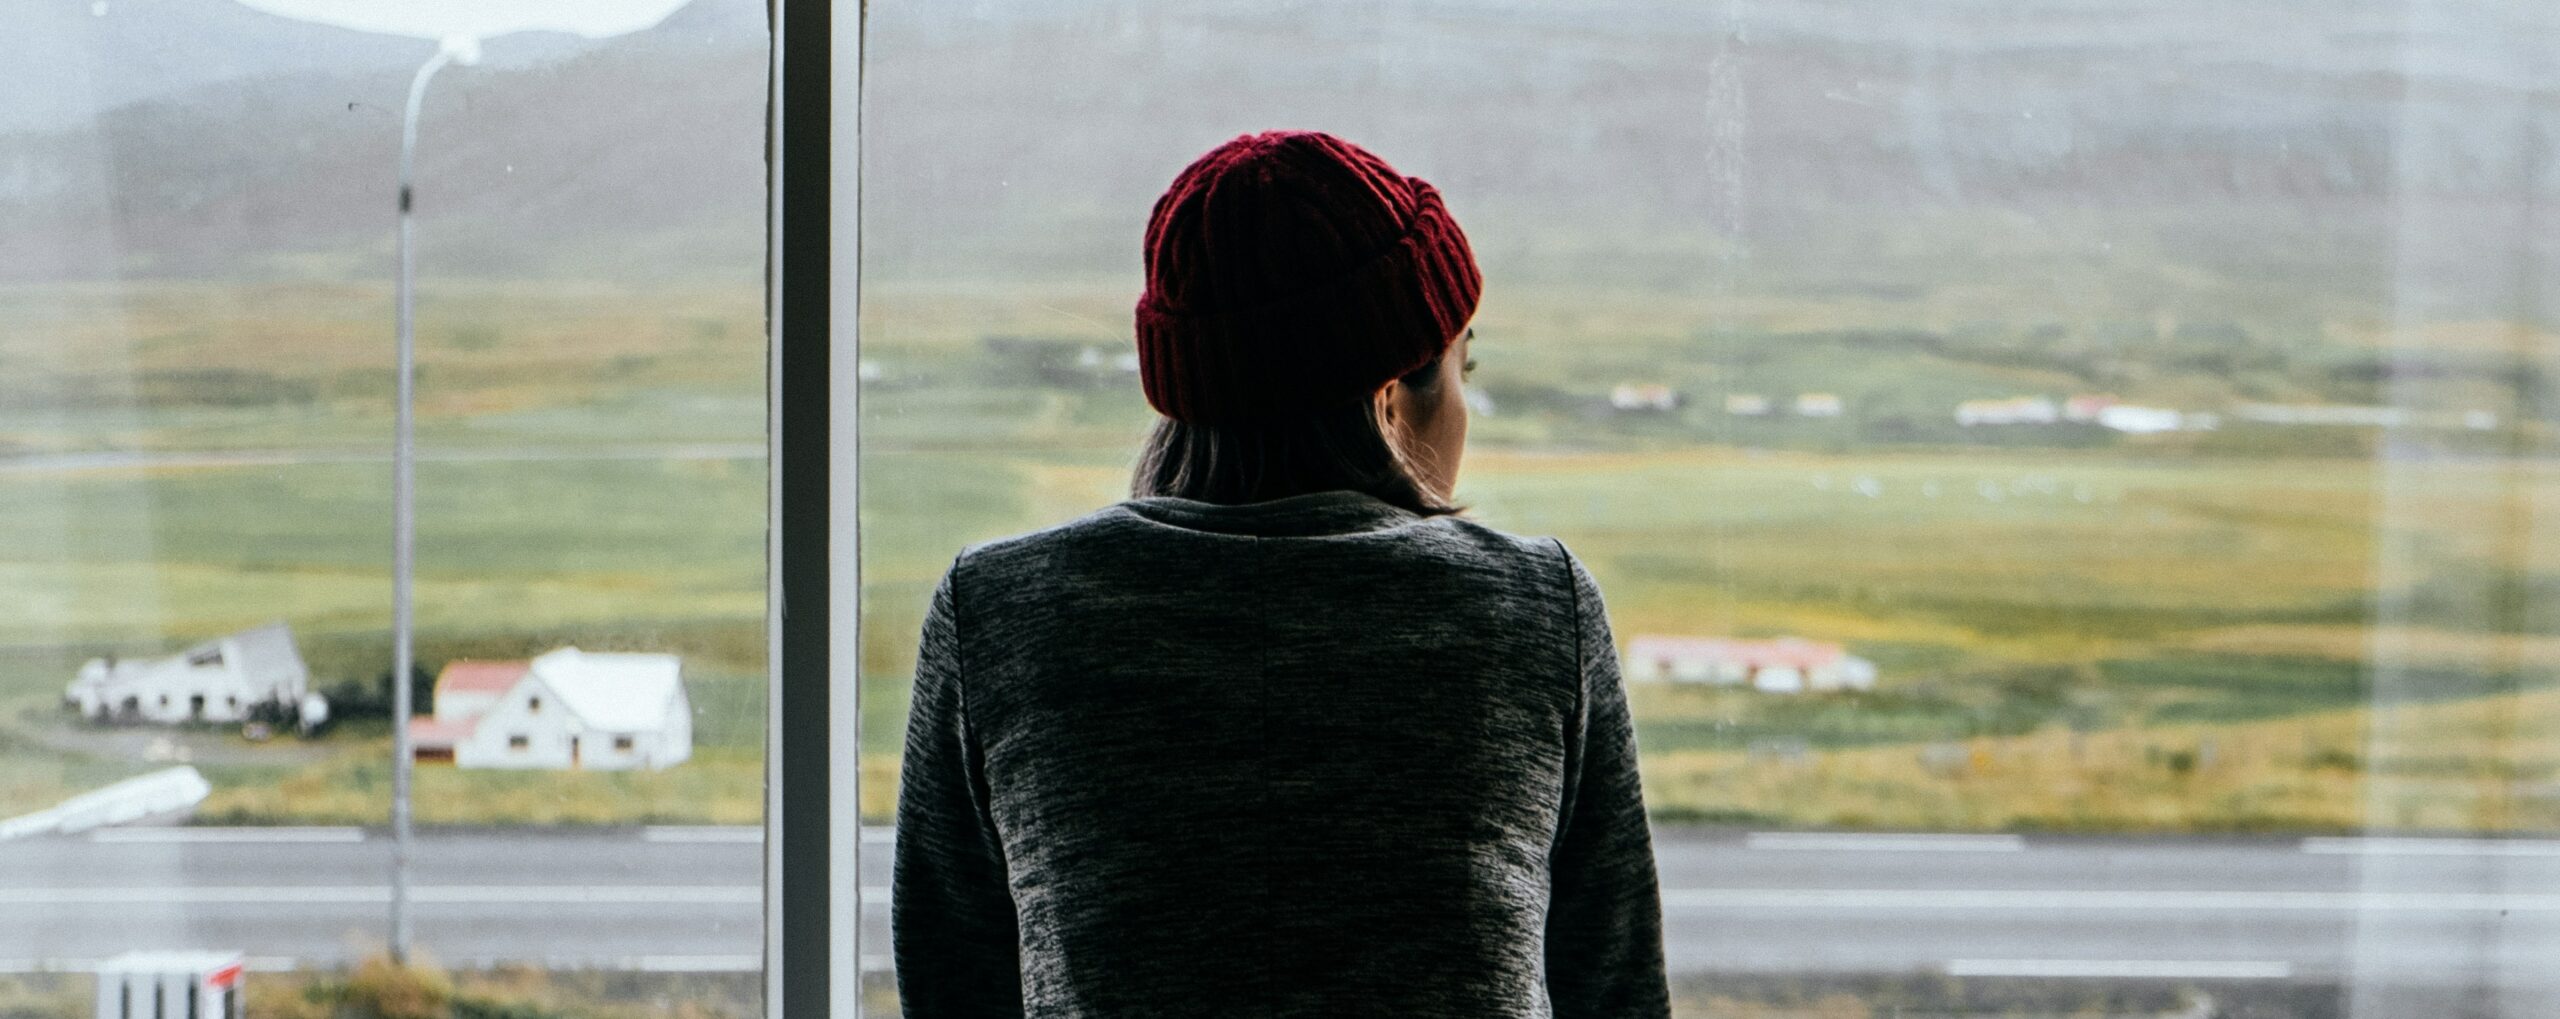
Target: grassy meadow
(2080,641)
(2156,634)
(593,475)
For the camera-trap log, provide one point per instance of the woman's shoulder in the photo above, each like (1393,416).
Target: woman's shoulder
(1100,529)
(1479,539)
(1144,531)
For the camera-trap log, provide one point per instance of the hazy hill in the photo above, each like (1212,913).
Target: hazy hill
(2115,158)
(550,155)
(65,61)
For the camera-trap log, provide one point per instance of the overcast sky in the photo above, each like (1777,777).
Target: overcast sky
(435,19)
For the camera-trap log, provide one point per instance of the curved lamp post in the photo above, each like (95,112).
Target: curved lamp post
(458,25)
(456,49)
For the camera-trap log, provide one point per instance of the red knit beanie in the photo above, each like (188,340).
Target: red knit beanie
(1290,270)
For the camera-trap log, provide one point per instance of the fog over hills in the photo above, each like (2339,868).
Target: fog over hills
(66,61)
(551,151)
(2348,149)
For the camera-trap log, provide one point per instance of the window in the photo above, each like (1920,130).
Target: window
(2064,477)
(622,744)
(533,705)
(201,251)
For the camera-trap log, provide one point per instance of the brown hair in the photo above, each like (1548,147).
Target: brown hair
(1339,446)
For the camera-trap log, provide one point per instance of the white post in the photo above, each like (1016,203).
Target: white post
(404,523)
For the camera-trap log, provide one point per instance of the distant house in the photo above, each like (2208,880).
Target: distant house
(566,709)
(2326,414)
(1644,397)
(221,680)
(2016,410)
(2365,416)
(1747,405)
(1818,405)
(2087,406)
(2125,417)
(1784,665)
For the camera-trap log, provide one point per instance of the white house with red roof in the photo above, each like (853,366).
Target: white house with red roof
(566,709)
(1784,665)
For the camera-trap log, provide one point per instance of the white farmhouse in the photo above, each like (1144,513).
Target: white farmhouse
(1784,665)
(2133,420)
(2016,410)
(1646,397)
(220,680)
(567,709)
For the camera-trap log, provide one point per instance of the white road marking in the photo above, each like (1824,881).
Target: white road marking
(695,964)
(595,894)
(256,963)
(1882,842)
(878,834)
(2385,846)
(702,833)
(149,460)
(373,894)
(227,835)
(2143,900)
(286,964)
(2161,969)
(877,897)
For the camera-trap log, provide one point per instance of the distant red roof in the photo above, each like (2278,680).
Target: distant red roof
(468,676)
(1791,652)
(432,734)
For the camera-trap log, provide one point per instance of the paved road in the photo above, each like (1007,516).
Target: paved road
(2455,914)
(431,452)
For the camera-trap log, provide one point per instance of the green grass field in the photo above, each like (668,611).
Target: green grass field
(2125,635)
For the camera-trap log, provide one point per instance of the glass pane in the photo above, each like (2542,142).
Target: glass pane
(2067,479)
(199,206)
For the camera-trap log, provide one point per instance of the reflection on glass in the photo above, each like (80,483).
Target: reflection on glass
(196,404)
(2068,478)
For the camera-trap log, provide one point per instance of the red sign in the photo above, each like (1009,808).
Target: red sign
(226,977)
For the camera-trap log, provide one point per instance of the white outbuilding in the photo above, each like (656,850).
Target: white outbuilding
(220,680)
(563,710)
(167,985)
(1784,665)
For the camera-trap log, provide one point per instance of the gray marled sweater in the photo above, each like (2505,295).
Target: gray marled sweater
(1310,757)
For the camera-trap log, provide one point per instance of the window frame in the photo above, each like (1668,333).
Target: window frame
(812,832)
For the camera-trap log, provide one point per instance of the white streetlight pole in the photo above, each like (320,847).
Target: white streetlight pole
(404,519)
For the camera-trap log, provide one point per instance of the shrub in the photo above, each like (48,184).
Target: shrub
(383,989)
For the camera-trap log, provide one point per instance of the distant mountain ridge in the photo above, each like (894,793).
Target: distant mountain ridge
(65,62)
(261,141)
(2169,146)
